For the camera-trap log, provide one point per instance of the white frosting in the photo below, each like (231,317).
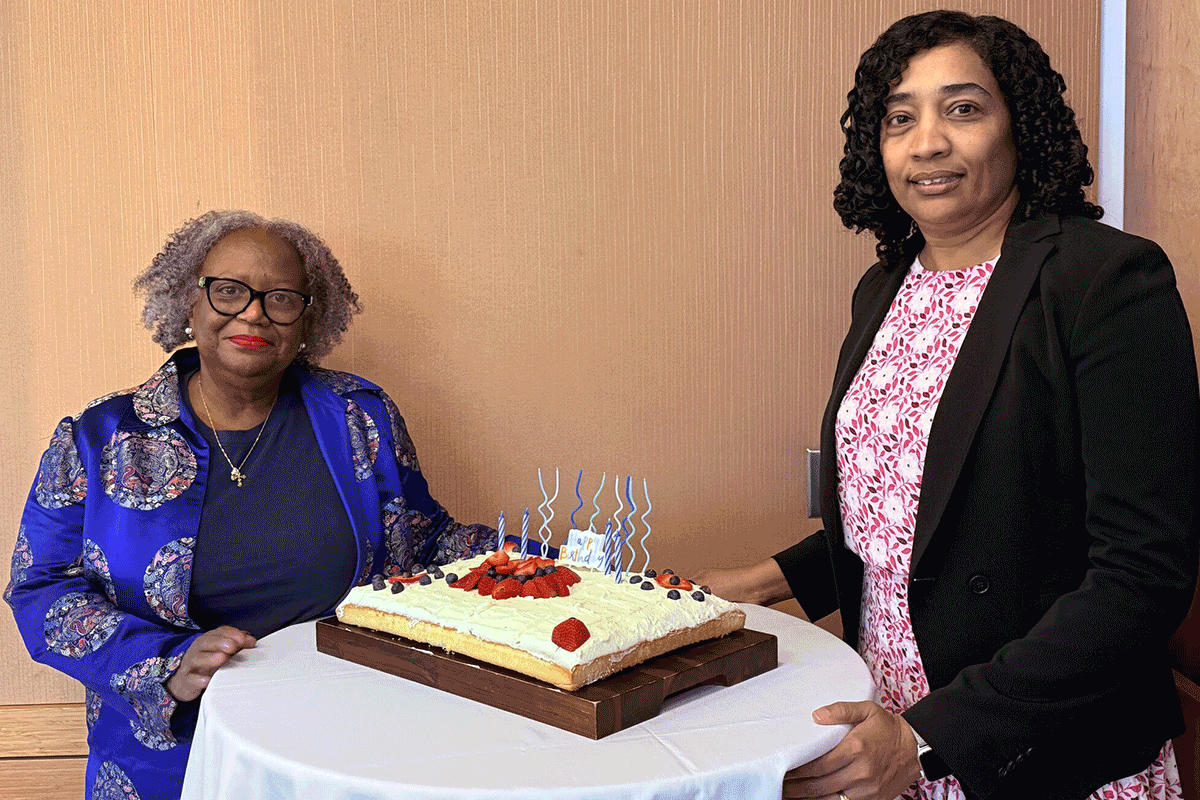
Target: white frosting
(618,616)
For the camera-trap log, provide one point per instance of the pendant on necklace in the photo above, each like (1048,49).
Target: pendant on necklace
(235,474)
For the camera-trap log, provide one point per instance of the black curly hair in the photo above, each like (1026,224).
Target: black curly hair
(1052,162)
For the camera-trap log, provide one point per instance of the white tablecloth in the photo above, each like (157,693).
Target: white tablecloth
(283,721)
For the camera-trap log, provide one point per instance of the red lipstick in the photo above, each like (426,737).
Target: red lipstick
(251,342)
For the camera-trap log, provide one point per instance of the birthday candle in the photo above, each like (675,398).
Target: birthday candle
(595,505)
(627,529)
(615,548)
(500,537)
(525,534)
(544,532)
(645,535)
(608,547)
(577,497)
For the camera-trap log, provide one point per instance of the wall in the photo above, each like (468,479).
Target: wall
(589,235)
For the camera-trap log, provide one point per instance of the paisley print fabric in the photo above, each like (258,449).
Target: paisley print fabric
(167,580)
(144,469)
(142,686)
(156,401)
(61,480)
(113,784)
(882,432)
(22,560)
(364,440)
(340,382)
(95,568)
(402,529)
(80,622)
(406,453)
(91,704)
(463,541)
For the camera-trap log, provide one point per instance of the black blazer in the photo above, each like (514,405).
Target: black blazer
(1055,546)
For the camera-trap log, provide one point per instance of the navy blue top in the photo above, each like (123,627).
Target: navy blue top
(287,521)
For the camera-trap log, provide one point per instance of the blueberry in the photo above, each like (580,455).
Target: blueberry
(647,585)
(698,596)
(437,573)
(706,590)
(636,579)
(668,572)
(550,570)
(451,578)
(417,568)
(673,594)
(539,573)
(651,573)
(377,582)
(491,573)
(425,580)
(397,587)
(674,581)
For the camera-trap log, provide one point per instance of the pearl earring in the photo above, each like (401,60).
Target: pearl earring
(303,345)
(188,331)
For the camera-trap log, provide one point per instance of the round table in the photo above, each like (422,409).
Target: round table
(283,721)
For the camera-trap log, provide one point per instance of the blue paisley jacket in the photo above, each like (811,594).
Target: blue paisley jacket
(102,566)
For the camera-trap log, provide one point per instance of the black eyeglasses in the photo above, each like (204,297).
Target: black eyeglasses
(230,298)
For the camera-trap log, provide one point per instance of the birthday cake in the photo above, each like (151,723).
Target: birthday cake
(563,624)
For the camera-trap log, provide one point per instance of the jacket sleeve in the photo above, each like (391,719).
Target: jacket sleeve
(417,529)
(67,607)
(809,572)
(1131,366)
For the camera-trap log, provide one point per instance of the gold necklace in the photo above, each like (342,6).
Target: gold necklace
(235,473)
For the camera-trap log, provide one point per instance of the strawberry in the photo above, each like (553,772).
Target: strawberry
(497,558)
(558,583)
(506,569)
(528,589)
(486,585)
(467,581)
(569,577)
(526,566)
(509,587)
(402,579)
(669,581)
(542,587)
(570,634)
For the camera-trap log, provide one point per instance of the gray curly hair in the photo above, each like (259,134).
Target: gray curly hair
(170,282)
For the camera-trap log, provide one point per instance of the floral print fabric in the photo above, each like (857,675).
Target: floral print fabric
(882,431)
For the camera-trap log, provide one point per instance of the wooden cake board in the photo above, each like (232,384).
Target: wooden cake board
(617,702)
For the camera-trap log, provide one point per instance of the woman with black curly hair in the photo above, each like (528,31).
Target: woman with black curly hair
(1009,488)
(238,490)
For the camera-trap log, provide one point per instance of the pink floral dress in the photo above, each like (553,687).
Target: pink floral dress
(882,431)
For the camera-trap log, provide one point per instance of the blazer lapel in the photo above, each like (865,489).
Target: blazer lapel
(972,380)
(858,342)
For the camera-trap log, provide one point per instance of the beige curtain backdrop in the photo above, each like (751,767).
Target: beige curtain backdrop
(588,235)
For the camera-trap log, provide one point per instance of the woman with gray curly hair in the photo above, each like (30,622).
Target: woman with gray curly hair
(239,490)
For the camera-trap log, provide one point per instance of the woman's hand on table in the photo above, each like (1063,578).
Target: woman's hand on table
(877,760)
(208,653)
(761,584)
